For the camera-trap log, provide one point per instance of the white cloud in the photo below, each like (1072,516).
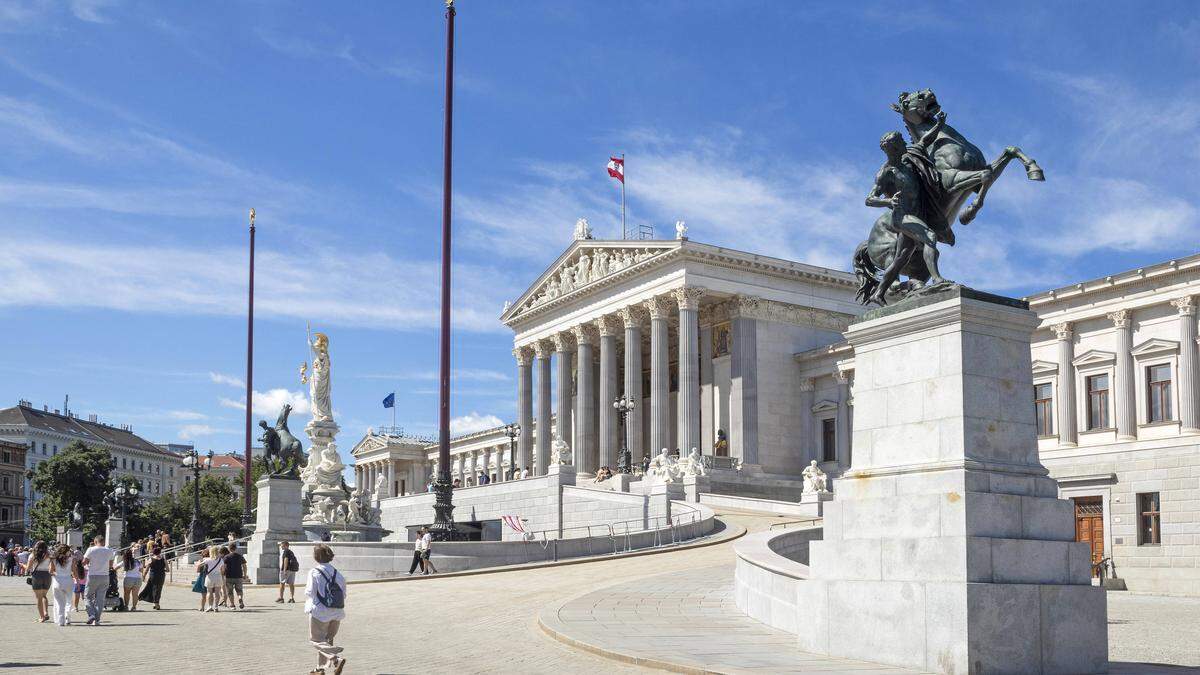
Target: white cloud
(192,431)
(221,378)
(269,403)
(69,273)
(185,415)
(91,11)
(473,422)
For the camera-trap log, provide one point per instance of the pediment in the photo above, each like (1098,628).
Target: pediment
(1094,357)
(1156,347)
(585,265)
(369,443)
(1044,367)
(824,406)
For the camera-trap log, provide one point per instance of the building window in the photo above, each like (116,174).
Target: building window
(1097,411)
(171,471)
(7,457)
(1158,393)
(7,485)
(43,448)
(1043,404)
(1148,519)
(4,515)
(54,450)
(123,464)
(829,440)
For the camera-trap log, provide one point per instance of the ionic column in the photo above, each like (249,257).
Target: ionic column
(707,430)
(565,346)
(391,479)
(358,481)
(808,443)
(660,392)
(543,352)
(1067,431)
(585,403)
(843,417)
(1189,406)
(1123,382)
(632,318)
(688,299)
(609,444)
(524,403)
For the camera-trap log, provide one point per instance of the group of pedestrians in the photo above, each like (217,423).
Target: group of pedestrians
(422,549)
(13,560)
(220,578)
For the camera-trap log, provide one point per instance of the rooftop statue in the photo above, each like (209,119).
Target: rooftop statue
(922,187)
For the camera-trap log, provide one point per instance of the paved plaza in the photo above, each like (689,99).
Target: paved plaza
(489,623)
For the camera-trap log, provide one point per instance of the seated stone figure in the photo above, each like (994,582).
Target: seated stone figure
(692,465)
(815,479)
(663,468)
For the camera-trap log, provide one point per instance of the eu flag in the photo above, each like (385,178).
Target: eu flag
(390,401)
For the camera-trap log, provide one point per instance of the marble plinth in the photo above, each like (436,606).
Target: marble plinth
(280,511)
(113,529)
(70,537)
(946,548)
(318,532)
(693,486)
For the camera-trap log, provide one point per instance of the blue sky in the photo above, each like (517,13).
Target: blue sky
(134,136)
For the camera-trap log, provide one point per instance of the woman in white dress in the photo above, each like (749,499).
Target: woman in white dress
(61,584)
(210,567)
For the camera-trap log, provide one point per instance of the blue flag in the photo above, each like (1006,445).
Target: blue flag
(390,401)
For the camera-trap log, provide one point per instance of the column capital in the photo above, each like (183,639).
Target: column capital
(842,376)
(585,334)
(1186,306)
(744,305)
(632,316)
(688,297)
(1120,318)
(563,342)
(607,325)
(658,307)
(542,349)
(1063,331)
(523,355)
(807,384)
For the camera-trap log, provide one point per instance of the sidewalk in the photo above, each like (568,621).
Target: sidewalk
(687,622)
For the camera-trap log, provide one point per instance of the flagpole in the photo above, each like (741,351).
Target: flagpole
(247,483)
(624,176)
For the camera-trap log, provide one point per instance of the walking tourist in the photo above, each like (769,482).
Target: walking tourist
(155,578)
(4,561)
(131,580)
(99,561)
(79,576)
(214,581)
(38,568)
(525,472)
(23,559)
(288,566)
(234,569)
(62,580)
(418,548)
(325,602)
(426,551)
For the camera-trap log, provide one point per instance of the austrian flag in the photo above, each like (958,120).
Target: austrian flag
(616,168)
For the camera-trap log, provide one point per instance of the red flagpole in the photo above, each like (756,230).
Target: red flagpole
(249,381)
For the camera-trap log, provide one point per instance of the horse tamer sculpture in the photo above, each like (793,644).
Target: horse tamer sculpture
(282,450)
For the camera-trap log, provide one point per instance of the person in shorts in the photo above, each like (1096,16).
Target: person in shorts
(288,566)
(234,569)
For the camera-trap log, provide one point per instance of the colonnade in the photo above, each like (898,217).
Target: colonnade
(585,417)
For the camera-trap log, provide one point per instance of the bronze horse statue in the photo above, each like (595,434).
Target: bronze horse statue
(952,170)
(283,450)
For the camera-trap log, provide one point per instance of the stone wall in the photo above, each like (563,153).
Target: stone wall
(583,507)
(1170,468)
(534,499)
(770,567)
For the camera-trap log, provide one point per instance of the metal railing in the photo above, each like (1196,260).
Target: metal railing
(666,531)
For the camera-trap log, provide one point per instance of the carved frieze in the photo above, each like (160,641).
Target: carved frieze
(589,265)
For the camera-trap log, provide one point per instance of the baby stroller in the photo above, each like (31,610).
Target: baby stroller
(112,597)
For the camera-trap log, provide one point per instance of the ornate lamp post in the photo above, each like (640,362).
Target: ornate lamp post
(123,498)
(624,406)
(512,431)
(193,463)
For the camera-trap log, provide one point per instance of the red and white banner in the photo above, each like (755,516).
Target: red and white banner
(514,522)
(616,168)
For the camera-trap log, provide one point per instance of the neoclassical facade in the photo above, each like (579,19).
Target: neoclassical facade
(700,337)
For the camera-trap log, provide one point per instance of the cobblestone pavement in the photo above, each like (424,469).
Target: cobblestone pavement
(469,624)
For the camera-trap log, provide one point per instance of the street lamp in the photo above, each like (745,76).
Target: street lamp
(193,463)
(124,496)
(512,431)
(624,405)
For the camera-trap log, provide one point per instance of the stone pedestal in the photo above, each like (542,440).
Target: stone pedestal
(345,535)
(946,548)
(661,495)
(70,537)
(113,529)
(693,486)
(279,513)
(817,500)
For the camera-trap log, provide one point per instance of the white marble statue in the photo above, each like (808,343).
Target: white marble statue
(323,510)
(318,379)
(692,465)
(381,487)
(663,468)
(680,230)
(582,229)
(565,282)
(583,270)
(815,479)
(561,454)
(327,471)
(600,266)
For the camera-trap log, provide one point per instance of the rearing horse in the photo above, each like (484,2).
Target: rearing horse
(959,169)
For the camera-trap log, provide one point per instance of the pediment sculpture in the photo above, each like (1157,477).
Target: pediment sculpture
(590,264)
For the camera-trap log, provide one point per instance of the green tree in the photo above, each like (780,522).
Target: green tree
(219,511)
(79,473)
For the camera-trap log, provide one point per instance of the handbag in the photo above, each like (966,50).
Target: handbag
(198,585)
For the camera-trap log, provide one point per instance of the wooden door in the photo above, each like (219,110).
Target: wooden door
(1089,526)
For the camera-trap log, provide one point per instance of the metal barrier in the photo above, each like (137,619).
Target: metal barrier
(670,526)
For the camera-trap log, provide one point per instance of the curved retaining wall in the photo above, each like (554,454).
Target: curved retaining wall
(359,561)
(770,565)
